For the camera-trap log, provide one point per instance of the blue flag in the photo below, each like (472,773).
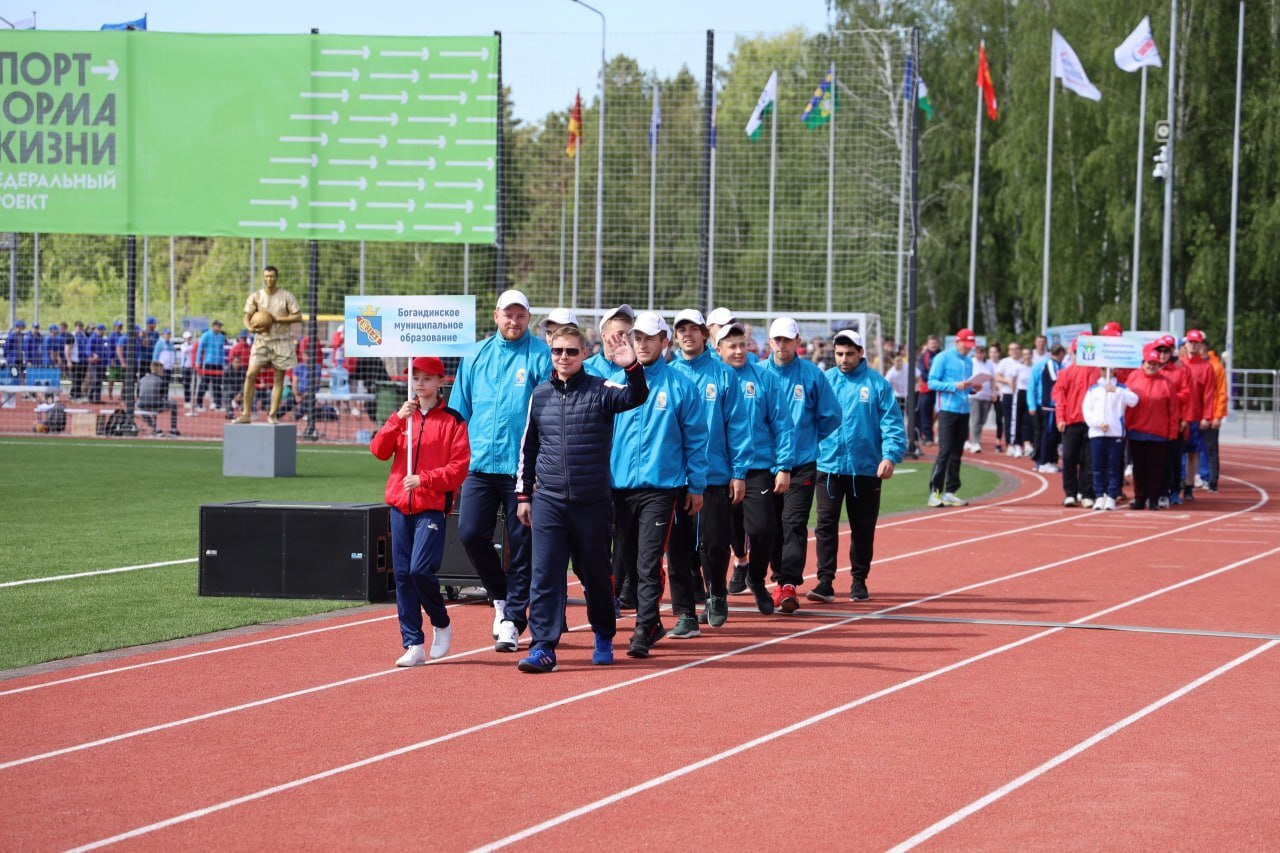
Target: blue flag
(655,121)
(908,83)
(140,24)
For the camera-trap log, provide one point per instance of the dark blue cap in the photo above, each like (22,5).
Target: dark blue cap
(151,321)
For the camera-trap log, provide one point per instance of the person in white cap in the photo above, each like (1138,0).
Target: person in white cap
(815,411)
(658,469)
(768,472)
(852,463)
(491,392)
(557,318)
(703,542)
(716,320)
(620,319)
(719,318)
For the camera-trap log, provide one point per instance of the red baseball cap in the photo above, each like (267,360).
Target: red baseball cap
(428,365)
(1166,342)
(1195,336)
(966,335)
(1112,330)
(1150,352)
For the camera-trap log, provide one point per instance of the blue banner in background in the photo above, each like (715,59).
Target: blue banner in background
(399,326)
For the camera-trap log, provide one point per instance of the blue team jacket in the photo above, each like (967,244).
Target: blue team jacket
(772,430)
(948,368)
(661,444)
(814,409)
(492,392)
(728,435)
(871,430)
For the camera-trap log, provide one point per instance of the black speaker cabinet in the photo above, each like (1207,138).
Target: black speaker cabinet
(286,550)
(455,566)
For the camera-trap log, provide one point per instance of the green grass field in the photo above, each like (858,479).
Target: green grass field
(81,506)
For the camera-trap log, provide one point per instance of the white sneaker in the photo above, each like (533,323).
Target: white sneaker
(440,642)
(1163,503)
(1089,503)
(499,611)
(1015,452)
(950,499)
(1200,483)
(413,656)
(935,499)
(1050,468)
(1068,501)
(508,638)
(977,448)
(1100,504)
(1111,503)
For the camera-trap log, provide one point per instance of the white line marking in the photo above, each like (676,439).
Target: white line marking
(1061,758)
(97,572)
(825,715)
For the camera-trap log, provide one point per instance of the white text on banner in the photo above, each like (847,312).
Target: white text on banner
(398,326)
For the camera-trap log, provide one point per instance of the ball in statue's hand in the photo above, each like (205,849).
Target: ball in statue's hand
(261,321)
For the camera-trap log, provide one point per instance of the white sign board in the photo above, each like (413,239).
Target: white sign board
(381,326)
(1101,351)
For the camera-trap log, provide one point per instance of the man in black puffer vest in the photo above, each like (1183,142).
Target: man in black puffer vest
(565,452)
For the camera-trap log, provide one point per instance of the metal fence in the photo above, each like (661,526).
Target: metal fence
(1254,398)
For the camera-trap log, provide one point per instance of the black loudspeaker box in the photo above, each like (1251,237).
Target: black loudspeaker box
(287,550)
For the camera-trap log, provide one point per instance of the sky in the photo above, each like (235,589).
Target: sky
(549,46)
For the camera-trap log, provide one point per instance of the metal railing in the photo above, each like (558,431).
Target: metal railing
(1255,400)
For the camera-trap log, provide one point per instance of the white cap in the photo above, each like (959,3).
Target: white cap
(187,333)
(848,336)
(512,297)
(651,323)
(560,316)
(720,317)
(784,327)
(689,315)
(625,310)
(727,329)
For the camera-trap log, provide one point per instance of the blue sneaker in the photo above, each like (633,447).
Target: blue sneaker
(539,660)
(1175,499)
(602,654)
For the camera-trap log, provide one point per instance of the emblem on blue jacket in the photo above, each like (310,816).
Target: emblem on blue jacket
(864,393)
(749,389)
(521,375)
(711,391)
(798,392)
(660,402)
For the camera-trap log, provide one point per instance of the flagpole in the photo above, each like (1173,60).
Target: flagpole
(1137,203)
(563,215)
(573,263)
(711,232)
(1230,341)
(1168,178)
(653,189)
(902,226)
(773,173)
(831,198)
(1048,205)
(973,217)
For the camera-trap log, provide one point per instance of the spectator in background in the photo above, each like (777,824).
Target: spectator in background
(76,353)
(1201,401)
(13,354)
(100,356)
(153,396)
(116,343)
(1074,381)
(211,359)
(1007,378)
(233,375)
(51,348)
(620,319)
(166,353)
(888,355)
(1209,465)
(897,377)
(926,397)
(186,358)
(1103,410)
(997,394)
(981,402)
(1040,351)
(33,346)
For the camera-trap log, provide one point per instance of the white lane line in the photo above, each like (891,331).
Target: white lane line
(569,700)
(167,445)
(1031,775)
(97,572)
(769,737)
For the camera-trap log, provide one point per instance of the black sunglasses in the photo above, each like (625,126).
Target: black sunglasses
(572,352)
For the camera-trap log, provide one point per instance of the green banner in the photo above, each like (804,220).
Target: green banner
(309,136)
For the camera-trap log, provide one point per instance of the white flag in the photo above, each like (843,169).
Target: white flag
(767,99)
(1139,49)
(1067,66)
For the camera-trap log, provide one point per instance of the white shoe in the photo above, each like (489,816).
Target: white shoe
(508,638)
(1111,503)
(1100,504)
(1200,483)
(1128,472)
(950,499)
(499,613)
(977,448)
(1015,452)
(1068,501)
(1163,503)
(440,642)
(935,499)
(413,656)
(1089,503)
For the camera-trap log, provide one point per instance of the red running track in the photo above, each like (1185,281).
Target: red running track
(964,706)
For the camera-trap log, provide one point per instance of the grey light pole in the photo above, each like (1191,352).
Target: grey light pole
(1166,273)
(599,169)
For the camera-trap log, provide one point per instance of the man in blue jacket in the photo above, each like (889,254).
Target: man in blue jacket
(620,319)
(658,470)
(816,414)
(704,541)
(491,392)
(565,453)
(768,474)
(852,462)
(951,375)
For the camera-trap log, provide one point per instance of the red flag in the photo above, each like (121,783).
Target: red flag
(984,81)
(575,127)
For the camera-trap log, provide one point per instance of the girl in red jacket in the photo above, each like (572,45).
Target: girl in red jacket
(419,502)
(1150,425)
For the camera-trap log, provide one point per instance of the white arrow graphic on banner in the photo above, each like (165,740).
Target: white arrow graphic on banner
(380,140)
(438,141)
(487,163)
(323,139)
(300,181)
(353,75)
(332,117)
(429,163)
(398,227)
(372,162)
(406,206)
(482,53)
(291,202)
(477,185)
(490,208)
(311,161)
(110,69)
(423,54)
(278,223)
(363,52)
(486,97)
(338,226)
(451,119)
(489,143)
(470,75)
(349,204)
(337,96)
(461,98)
(403,97)
(393,119)
(482,119)
(456,228)
(488,228)
(411,76)
(360,183)
(420,185)
(468,206)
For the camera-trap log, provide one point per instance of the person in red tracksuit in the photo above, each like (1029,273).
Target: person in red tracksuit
(1176,373)
(1068,396)
(1150,425)
(1201,400)
(419,500)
